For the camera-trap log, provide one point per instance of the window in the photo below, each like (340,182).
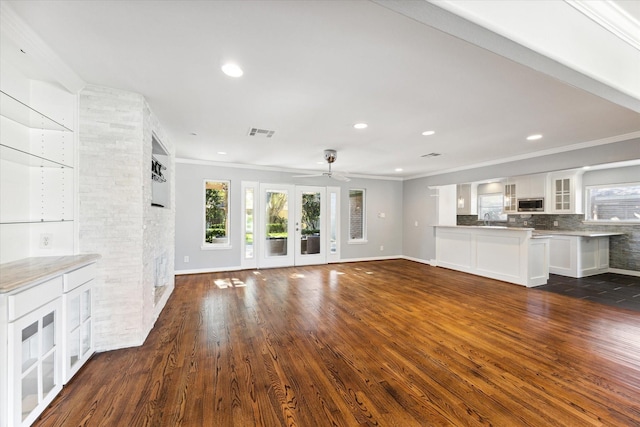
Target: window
(216,213)
(357,226)
(613,202)
(490,207)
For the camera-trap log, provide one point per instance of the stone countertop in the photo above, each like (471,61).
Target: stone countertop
(16,274)
(488,227)
(594,233)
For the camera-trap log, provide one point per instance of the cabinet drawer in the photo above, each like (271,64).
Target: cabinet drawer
(78,277)
(29,300)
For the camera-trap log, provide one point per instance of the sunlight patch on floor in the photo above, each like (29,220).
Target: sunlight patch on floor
(229,283)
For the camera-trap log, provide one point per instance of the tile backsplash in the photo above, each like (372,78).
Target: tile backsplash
(624,251)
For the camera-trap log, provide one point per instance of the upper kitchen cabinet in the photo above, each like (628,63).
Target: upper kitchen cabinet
(565,193)
(531,186)
(37,166)
(467,199)
(510,196)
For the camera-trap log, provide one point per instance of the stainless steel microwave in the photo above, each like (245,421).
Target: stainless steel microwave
(531,205)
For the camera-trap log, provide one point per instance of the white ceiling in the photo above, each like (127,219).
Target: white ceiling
(312,70)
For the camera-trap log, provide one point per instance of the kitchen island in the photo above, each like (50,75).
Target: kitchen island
(578,253)
(513,255)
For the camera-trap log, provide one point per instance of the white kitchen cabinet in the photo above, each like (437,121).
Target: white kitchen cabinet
(510,197)
(46,323)
(34,357)
(565,193)
(531,186)
(77,310)
(579,256)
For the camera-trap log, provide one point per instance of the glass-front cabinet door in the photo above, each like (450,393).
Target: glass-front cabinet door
(77,306)
(34,363)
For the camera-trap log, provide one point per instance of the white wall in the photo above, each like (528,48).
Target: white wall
(382,196)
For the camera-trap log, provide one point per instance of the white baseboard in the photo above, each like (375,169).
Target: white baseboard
(376,258)
(431,262)
(209,270)
(626,272)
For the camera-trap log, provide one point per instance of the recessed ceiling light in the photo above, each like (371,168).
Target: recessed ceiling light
(232,70)
(360,125)
(428,132)
(398,169)
(320,163)
(222,153)
(586,167)
(534,137)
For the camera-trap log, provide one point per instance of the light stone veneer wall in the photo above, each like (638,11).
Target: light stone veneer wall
(116,219)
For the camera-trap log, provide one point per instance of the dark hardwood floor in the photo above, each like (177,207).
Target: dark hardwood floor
(389,343)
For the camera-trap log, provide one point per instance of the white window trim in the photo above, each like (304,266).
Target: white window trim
(215,246)
(605,221)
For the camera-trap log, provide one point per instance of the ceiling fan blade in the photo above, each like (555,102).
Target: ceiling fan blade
(308,176)
(339,177)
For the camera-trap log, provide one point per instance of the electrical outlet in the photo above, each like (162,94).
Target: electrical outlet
(381,248)
(526,222)
(415,224)
(186,258)
(46,240)
(555,223)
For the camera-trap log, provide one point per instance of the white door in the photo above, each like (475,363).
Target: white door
(276,231)
(292,226)
(310,226)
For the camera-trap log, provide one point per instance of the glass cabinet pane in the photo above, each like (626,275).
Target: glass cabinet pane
(74,313)
(86,337)
(29,392)
(48,374)
(85,306)
(48,332)
(74,347)
(30,349)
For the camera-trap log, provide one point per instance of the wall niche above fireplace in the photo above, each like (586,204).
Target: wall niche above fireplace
(160,178)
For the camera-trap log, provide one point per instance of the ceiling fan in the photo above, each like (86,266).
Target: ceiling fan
(330,156)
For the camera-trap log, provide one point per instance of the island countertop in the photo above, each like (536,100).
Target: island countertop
(28,271)
(585,233)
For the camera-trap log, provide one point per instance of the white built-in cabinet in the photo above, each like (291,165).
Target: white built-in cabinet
(565,193)
(46,324)
(37,177)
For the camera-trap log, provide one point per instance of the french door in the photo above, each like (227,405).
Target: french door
(292,226)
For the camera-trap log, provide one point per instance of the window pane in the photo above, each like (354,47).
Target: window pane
(334,223)
(618,202)
(490,207)
(356,214)
(216,212)
(248,223)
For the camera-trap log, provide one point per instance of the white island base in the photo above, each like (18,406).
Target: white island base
(512,255)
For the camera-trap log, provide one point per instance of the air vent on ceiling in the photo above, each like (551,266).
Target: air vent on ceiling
(265,132)
(431,155)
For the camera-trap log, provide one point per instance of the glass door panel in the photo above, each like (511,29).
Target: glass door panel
(276,226)
(310,225)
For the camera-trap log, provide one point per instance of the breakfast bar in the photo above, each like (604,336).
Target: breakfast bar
(512,255)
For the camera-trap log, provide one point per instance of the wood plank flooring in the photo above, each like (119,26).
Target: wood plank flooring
(388,343)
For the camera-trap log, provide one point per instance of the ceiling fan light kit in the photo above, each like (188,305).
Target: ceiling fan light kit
(330,156)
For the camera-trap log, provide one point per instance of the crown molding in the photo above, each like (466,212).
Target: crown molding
(611,17)
(40,53)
